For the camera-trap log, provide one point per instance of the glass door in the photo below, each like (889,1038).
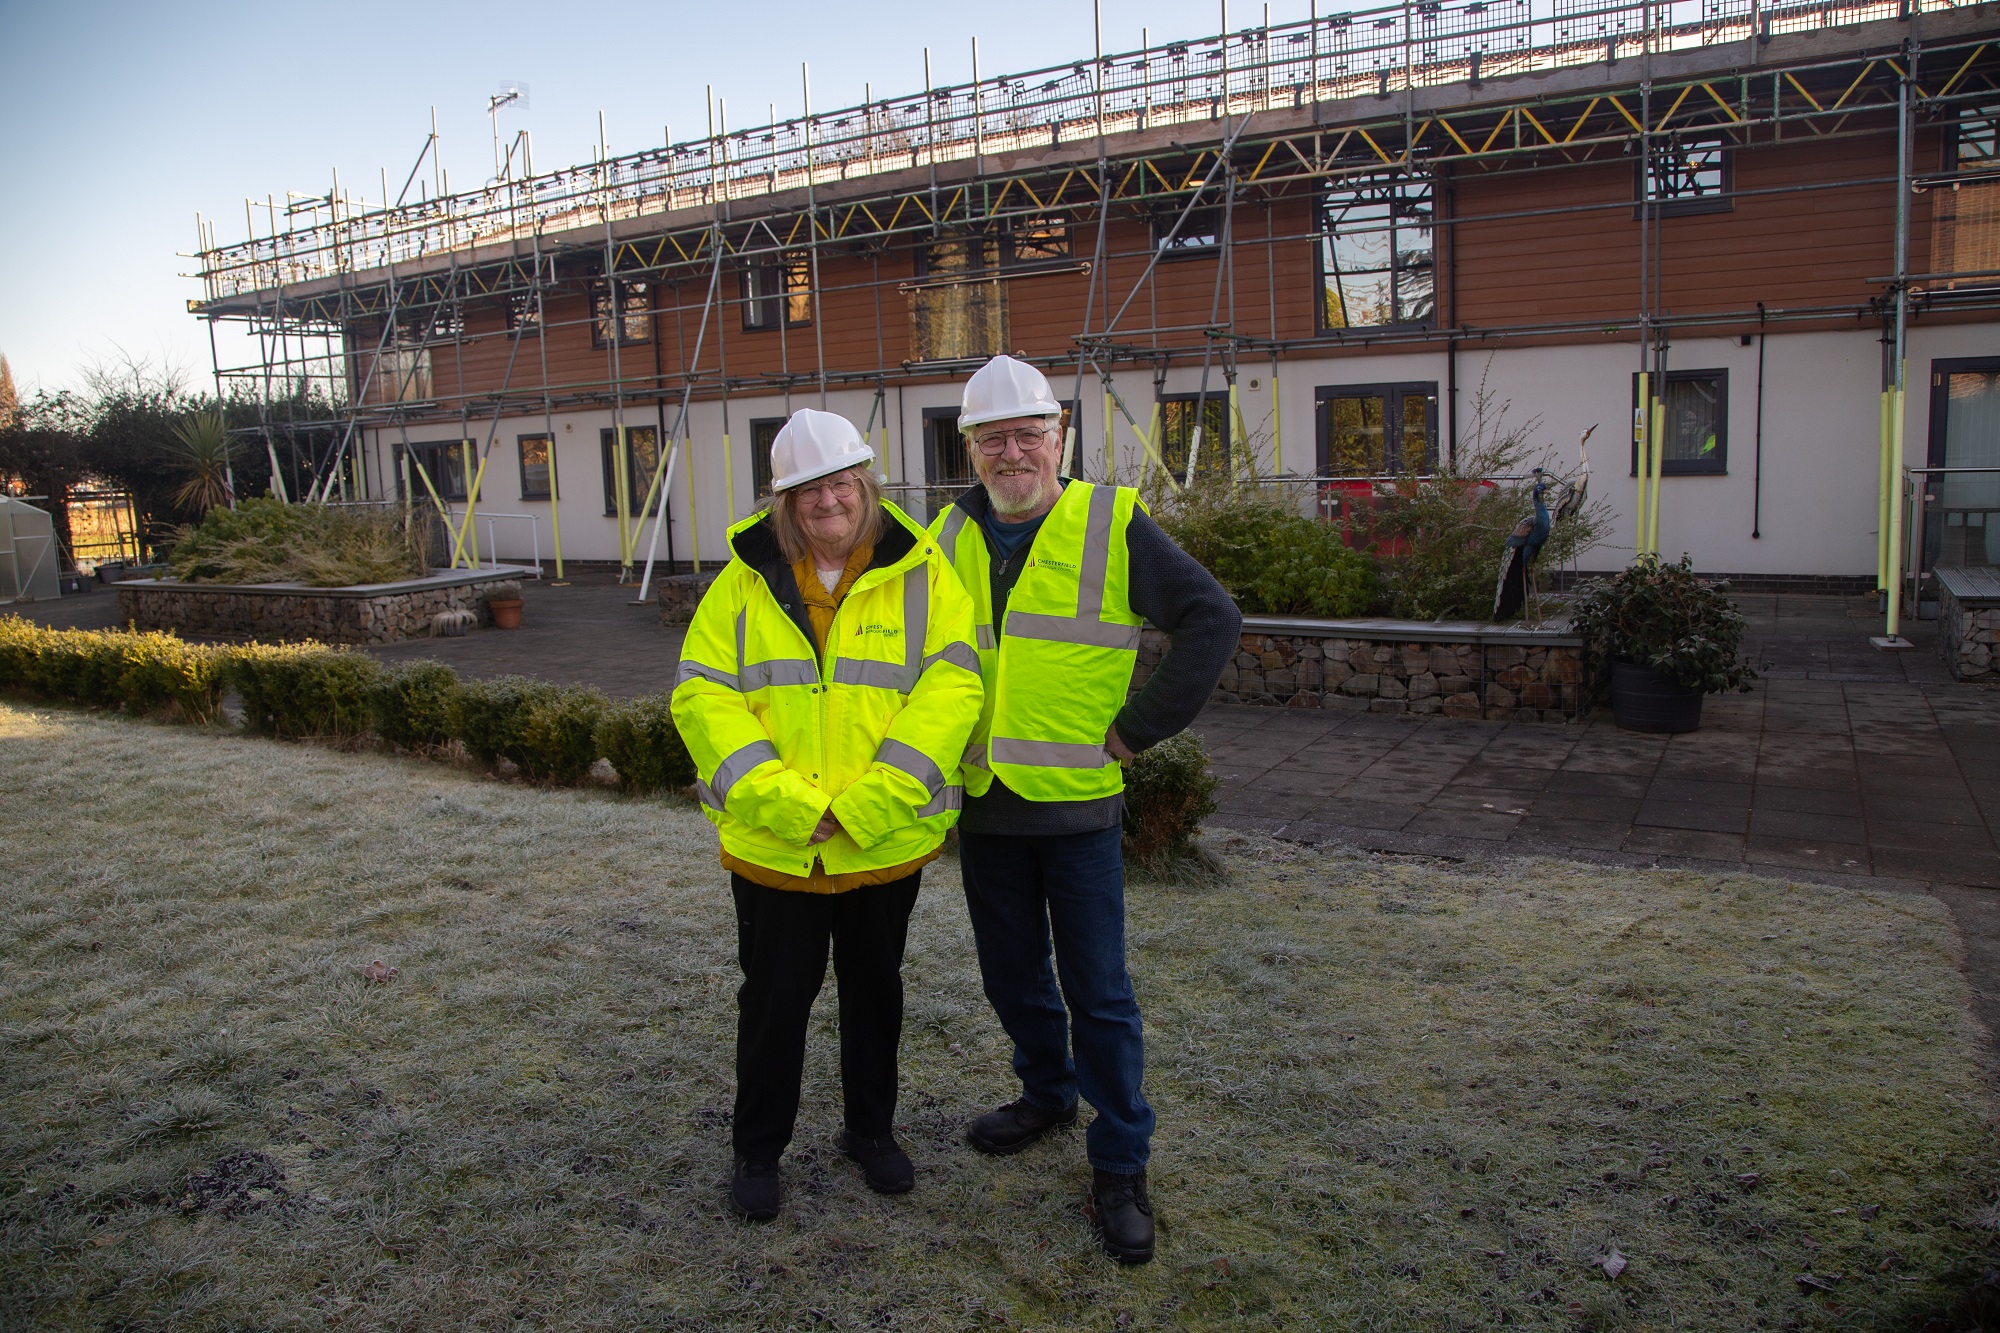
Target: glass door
(1961,510)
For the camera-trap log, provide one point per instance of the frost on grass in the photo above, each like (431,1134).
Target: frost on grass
(1392,1094)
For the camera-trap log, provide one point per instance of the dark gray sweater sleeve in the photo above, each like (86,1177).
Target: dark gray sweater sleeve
(1202,624)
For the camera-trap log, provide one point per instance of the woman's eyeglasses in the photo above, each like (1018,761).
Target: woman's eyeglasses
(1027,439)
(842,489)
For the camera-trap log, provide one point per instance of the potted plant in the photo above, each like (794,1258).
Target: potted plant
(503,599)
(1668,638)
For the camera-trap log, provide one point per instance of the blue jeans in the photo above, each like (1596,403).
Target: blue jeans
(1020,893)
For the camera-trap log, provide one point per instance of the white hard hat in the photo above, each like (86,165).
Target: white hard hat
(815,444)
(1004,388)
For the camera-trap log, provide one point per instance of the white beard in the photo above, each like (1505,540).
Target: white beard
(1004,505)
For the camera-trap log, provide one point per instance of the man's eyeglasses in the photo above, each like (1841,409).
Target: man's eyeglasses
(842,489)
(1027,439)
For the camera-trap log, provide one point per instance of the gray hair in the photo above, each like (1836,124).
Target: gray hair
(791,533)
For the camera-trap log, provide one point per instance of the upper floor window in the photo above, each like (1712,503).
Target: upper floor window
(1690,174)
(1200,234)
(958,305)
(1975,144)
(1032,242)
(524,313)
(632,320)
(1376,259)
(778,290)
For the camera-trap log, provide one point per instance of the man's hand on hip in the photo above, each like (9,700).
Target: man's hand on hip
(1117,746)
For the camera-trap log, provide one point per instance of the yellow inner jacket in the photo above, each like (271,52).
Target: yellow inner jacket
(870,723)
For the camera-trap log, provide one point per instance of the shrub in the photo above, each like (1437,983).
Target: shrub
(1441,540)
(268,541)
(644,746)
(1169,790)
(506,590)
(549,731)
(1270,558)
(161,673)
(411,704)
(1662,616)
(300,690)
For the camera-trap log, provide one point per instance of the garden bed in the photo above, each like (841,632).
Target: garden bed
(1413,667)
(287,612)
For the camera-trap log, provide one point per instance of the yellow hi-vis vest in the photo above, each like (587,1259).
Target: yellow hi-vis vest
(871,728)
(1059,669)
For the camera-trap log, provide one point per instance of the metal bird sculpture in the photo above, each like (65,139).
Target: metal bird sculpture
(1524,544)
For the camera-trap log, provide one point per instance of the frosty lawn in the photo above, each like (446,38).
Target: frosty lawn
(1392,1094)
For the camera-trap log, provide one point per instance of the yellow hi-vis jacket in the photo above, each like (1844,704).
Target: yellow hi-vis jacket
(873,728)
(1059,669)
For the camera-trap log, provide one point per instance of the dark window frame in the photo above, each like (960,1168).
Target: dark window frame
(941,443)
(635,300)
(1722,200)
(1393,394)
(548,442)
(1199,238)
(763,310)
(1011,258)
(760,454)
(1987,117)
(449,481)
(1391,186)
(1224,435)
(1690,467)
(638,480)
(524,314)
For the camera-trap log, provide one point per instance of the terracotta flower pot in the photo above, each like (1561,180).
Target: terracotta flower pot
(507,614)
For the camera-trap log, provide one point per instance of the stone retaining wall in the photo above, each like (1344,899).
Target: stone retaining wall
(281,613)
(1398,667)
(1969,622)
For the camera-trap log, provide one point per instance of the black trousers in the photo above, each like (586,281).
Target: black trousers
(781,942)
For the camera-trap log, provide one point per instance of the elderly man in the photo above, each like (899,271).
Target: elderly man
(1062,573)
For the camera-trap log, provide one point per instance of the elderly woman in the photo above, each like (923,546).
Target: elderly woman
(826,690)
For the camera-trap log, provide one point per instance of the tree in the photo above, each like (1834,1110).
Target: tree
(10,401)
(207,455)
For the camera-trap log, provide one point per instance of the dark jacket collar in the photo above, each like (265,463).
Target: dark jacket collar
(757,547)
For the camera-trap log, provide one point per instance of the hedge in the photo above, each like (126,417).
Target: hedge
(144,674)
(301,691)
(549,731)
(644,746)
(1169,790)
(412,702)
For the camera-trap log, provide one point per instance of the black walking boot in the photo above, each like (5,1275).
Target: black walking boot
(1124,1215)
(1014,1126)
(753,1189)
(884,1164)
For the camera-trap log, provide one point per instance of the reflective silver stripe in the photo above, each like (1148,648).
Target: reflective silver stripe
(958,654)
(732,769)
(916,619)
(1096,562)
(1049,754)
(706,796)
(780,671)
(741,617)
(987,639)
(1062,629)
(909,759)
(975,756)
(948,534)
(882,675)
(696,671)
(951,798)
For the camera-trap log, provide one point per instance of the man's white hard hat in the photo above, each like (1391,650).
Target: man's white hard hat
(815,444)
(1004,388)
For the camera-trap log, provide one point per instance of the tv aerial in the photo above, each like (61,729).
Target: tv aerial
(512,93)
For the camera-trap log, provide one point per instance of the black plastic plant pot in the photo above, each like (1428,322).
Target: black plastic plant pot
(1644,700)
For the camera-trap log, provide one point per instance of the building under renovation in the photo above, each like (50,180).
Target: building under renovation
(1756,245)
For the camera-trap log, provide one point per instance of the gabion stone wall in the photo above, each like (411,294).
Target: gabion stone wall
(680,594)
(381,614)
(1969,622)
(1398,667)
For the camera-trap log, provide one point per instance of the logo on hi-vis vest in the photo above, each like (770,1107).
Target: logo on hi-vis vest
(886,631)
(1063,565)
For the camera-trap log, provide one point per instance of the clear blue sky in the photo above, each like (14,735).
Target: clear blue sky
(122,120)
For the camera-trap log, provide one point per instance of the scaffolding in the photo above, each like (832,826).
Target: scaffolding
(1246,117)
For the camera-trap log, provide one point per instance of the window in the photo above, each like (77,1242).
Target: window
(956,310)
(441,463)
(524,313)
(763,430)
(1201,234)
(634,322)
(1376,264)
(1374,430)
(1178,416)
(1697,423)
(1960,522)
(1965,216)
(946,461)
(642,460)
(782,289)
(402,375)
(535,470)
(1035,242)
(1690,175)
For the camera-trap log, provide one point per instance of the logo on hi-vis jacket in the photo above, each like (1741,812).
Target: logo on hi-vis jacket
(886,631)
(1063,565)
